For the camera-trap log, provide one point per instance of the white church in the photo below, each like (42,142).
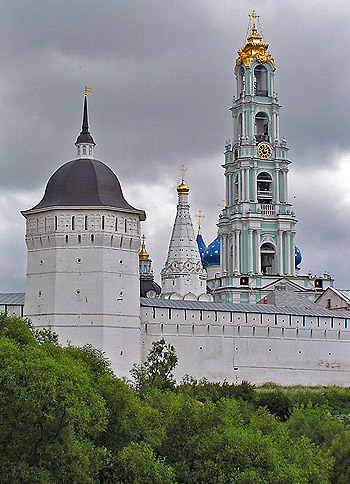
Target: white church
(237,309)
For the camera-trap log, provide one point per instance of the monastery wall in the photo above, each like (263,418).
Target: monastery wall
(258,347)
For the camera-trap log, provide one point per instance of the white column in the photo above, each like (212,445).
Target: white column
(250,251)
(223,255)
(246,184)
(280,252)
(228,189)
(277,193)
(274,120)
(288,251)
(254,185)
(286,185)
(293,253)
(257,248)
(244,124)
(283,197)
(237,251)
(240,185)
(278,125)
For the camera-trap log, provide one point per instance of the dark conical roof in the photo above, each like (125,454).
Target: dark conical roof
(85,136)
(85,182)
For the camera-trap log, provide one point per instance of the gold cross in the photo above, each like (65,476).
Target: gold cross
(222,205)
(182,169)
(254,16)
(199,216)
(143,239)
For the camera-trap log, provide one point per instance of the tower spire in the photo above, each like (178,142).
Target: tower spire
(85,142)
(183,273)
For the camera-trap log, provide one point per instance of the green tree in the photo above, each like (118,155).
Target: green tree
(50,411)
(156,371)
(137,464)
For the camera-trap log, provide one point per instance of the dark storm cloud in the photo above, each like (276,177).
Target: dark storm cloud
(163,83)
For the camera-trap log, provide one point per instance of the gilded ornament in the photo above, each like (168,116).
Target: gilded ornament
(254,49)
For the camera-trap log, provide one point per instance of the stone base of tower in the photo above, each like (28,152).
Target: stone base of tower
(244,288)
(118,337)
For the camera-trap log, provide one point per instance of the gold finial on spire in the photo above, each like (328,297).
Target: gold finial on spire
(87,89)
(143,254)
(223,204)
(254,49)
(183,188)
(199,216)
(253,16)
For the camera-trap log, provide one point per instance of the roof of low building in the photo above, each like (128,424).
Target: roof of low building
(244,308)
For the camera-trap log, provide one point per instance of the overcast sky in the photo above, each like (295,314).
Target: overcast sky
(161,71)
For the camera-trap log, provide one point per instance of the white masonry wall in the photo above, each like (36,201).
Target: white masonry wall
(83,281)
(256,347)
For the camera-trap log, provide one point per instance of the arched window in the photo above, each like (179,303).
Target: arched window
(239,126)
(261,127)
(264,187)
(236,188)
(268,258)
(261,86)
(240,81)
(84,150)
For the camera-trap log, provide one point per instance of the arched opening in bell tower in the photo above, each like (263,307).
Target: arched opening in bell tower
(261,127)
(240,81)
(264,187)
(239,126)
(261,85)
(268,259)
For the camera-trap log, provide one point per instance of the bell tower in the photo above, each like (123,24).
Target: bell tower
(257,225)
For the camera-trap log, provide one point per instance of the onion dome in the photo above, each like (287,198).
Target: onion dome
(298,257)
(201,247)
(212,254)
(143,254)
(148,287)
(183,188)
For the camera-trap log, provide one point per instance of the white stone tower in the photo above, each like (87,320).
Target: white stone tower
(83,240)
(183,276)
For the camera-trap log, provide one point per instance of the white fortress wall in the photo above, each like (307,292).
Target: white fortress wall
(269,344)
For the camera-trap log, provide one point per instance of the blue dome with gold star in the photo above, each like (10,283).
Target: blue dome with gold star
(298,257)
(201,247)
(212,253)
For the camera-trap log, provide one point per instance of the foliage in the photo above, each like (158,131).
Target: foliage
(67,418)
(156,371)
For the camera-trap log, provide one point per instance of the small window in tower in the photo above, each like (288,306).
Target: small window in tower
(78,150)
(92,238)
(73,223)
(84,150)
(329,304)
(318,283)
(103,222)
(56,224)
(125,225)
(116,224)
(244,281)
(90,150)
